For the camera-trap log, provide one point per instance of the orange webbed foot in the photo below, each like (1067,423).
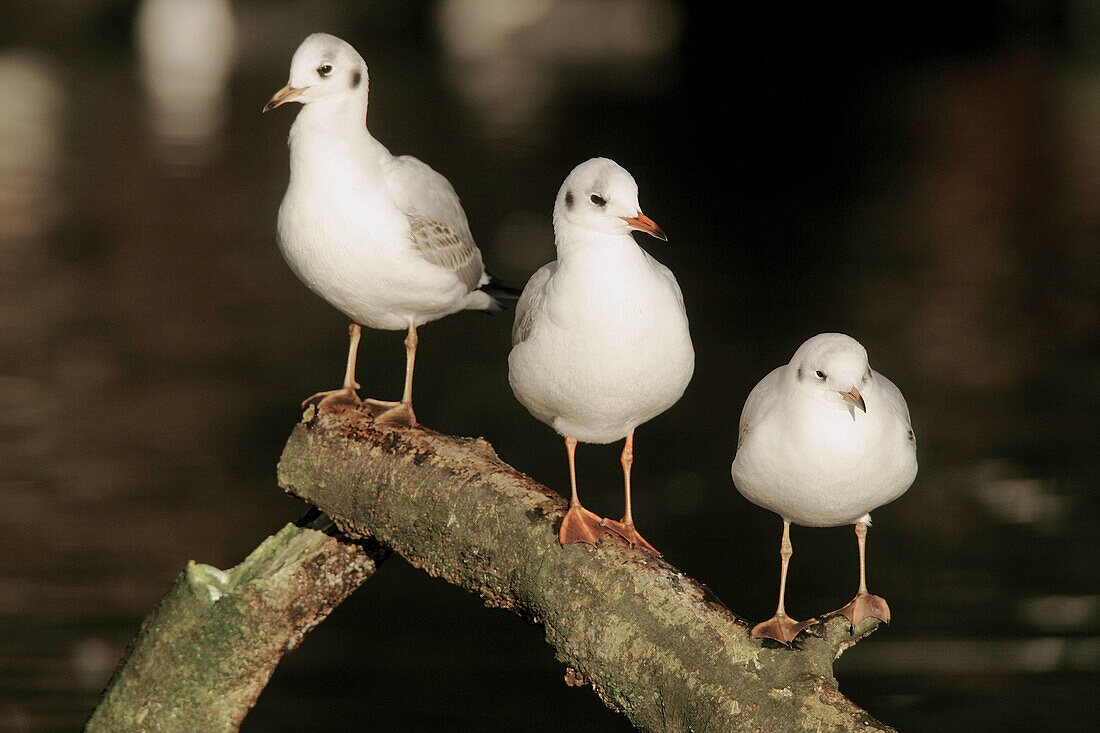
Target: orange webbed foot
(780,627)
(400,414)
(580,525)
(330,398)
(863,607)
(629,533)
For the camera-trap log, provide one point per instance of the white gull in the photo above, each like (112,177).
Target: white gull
(600,342)
(382,238)
(822,441)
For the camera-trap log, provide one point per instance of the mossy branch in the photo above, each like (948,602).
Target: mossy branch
(206,652)
(653,643)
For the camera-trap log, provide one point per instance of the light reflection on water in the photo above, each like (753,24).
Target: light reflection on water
(509,60)
(30,159)
(185,53)
(154,347)
(967,656)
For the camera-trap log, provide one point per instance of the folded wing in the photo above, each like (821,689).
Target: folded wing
(531,302)
(440,231)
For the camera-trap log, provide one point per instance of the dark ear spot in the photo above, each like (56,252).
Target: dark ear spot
(356,78)
(800,374)
(569,199)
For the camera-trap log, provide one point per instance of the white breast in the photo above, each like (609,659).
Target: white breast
(343,236)
(821,467)
(608,349)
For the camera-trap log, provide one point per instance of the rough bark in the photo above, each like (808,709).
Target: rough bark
(653,643)
(206,652)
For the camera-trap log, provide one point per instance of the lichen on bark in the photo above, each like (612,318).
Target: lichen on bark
(206,652)
(653,643)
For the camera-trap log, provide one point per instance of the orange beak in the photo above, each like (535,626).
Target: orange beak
(284,95)
(855,399)
(643,223)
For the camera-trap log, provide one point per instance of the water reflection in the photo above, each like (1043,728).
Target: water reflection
(32,147)
(509,59)
(523,242)
(153,345)
(975,657)
(186,50)
(1019,500)
(1061,613)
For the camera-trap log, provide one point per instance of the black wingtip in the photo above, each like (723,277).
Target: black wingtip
(499,290)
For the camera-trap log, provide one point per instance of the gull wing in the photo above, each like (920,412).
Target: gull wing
(667,275)
(440,231)
(531,302)
(892,396)
(443,246)
(756,403)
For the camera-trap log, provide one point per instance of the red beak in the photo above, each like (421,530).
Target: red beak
(643,223)
(855,399)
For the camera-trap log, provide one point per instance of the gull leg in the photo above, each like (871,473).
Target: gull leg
(578,524)
(345,394)
(625,526)
(782,627)
(865,605)
(401,413)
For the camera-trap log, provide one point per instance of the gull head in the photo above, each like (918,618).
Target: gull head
(324,68)
(832,369)
(599,195)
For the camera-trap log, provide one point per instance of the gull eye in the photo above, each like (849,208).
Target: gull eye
(597,199)
(819,374)
(324,69)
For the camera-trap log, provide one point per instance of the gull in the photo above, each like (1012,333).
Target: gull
(822,441)
(382,238)
(600,343)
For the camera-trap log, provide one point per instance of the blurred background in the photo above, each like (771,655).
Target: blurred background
(924,179)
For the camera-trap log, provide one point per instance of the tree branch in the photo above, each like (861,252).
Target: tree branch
(206,652)
(653,643)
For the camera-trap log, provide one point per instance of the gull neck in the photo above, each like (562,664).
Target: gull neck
(576,244)
(345,115)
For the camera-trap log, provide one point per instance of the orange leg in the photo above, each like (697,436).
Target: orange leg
(865,605)
(782,627)
(401,413)
(345,394)
(625,526)
(578,524)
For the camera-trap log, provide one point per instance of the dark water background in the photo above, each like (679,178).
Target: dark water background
(926,182)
